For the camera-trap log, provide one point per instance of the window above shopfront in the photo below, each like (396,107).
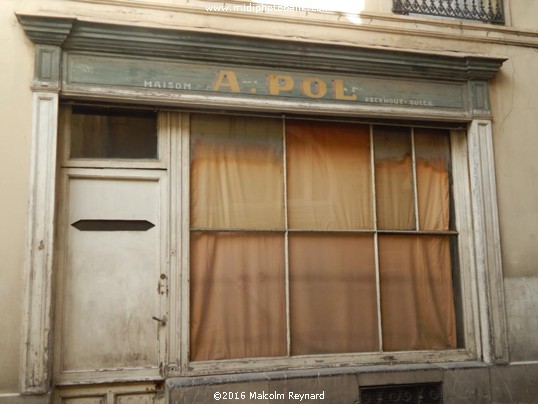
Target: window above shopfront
(489,11)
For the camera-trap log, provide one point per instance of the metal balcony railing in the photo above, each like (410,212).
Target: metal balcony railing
(490,11)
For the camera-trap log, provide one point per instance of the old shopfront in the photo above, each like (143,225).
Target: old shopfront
(211,209)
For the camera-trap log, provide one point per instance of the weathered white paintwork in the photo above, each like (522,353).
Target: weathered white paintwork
(110,284)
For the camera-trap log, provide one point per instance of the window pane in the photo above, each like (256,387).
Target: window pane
(237,296)
(113,133)
(394,178)
(236,172)
(432,156)
(333,307)
(329,176)
(417,299)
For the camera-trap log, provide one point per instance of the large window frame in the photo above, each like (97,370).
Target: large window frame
(174,145)
(463,222)
(468,190)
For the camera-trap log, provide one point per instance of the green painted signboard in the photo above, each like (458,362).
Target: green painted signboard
(239,81)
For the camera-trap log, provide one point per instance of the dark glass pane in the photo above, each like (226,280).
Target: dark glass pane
(113,133)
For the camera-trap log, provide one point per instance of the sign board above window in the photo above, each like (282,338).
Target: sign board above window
(211,70)
(255,83)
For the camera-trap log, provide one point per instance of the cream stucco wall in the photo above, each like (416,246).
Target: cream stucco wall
(523,14)
(516,143)
(514,106)
(16,71)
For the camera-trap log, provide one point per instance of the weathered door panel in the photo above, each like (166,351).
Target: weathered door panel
(84,400)
(135,399)
(112,274)
(130,393)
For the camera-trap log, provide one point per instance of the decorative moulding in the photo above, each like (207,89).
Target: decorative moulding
(81,35)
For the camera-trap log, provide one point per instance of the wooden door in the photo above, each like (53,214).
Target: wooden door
(113,279)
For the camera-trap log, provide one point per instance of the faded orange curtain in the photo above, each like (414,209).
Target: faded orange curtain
(417,299)
(237,289)
(237,296)
(333,307)
(236,173)
(329,176)
(394,178)
(432,155)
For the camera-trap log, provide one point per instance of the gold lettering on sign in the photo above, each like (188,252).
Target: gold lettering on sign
(226,78)
(278,83)
(338,91)
(313,87)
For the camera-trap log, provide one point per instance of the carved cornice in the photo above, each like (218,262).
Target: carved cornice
(46,30)
(76,34)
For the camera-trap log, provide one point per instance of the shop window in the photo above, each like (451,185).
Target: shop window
(310,237)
